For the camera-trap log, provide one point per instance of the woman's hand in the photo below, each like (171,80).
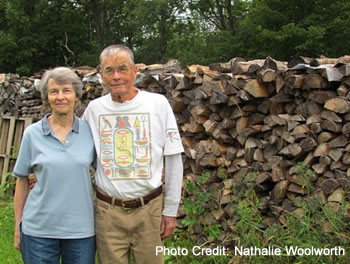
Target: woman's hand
(17,239)
(21,193)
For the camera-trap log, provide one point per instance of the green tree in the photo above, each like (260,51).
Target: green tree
(220,15)
(154,22)
(39,34)
(218,22)
(284,28)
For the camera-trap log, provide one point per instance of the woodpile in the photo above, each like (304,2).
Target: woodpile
(9,94)
(21,96)
(272,126)
(283,132)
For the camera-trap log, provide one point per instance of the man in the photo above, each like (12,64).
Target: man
(134,133)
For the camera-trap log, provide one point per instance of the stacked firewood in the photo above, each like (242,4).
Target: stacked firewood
(278,127)
(21,96)
(279,130)
(30,98)
(9,90)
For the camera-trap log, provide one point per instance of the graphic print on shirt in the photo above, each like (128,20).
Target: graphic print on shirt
(125,146)
(173,134)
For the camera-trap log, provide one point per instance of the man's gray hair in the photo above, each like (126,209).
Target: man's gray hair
(114,49)
(61,75)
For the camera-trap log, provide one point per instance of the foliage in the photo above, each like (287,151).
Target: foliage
(40,34)
(194,206)
(282,29)
(308,231)
(304,228)
(306,175)
(8,187)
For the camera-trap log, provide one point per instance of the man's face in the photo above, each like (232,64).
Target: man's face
(118,75)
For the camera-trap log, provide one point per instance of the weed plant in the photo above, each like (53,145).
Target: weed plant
(305,229)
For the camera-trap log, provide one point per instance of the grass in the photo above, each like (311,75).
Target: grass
(8,254)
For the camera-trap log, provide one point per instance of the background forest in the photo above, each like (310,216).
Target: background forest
(38,34)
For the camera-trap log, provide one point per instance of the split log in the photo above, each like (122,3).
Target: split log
(295,60)
(338,105)
(247,67)
(254,88)
(320,61)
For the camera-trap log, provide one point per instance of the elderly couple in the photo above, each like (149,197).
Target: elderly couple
(128,135)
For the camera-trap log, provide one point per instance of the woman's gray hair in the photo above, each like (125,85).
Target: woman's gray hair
(114,49)
(61,75)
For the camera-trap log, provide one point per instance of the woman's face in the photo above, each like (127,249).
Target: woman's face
(61,97)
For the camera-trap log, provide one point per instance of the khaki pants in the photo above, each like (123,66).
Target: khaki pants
(118,231)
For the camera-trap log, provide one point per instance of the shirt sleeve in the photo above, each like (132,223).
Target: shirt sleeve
(84,116)
(173,184)
(173,144)
(23,162)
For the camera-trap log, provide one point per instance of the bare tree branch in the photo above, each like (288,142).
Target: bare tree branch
(68,49)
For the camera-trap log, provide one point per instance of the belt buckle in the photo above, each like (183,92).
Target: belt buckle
(124,205)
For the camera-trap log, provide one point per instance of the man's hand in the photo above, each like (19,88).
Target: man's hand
(31,181)
(167,226)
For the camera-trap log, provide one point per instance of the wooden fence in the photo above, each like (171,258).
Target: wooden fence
(11,132)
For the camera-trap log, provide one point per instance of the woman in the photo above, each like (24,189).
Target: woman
(55,219)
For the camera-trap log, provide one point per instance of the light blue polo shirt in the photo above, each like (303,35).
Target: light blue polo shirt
(61,203)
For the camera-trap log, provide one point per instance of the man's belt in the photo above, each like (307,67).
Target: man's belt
(130,203)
